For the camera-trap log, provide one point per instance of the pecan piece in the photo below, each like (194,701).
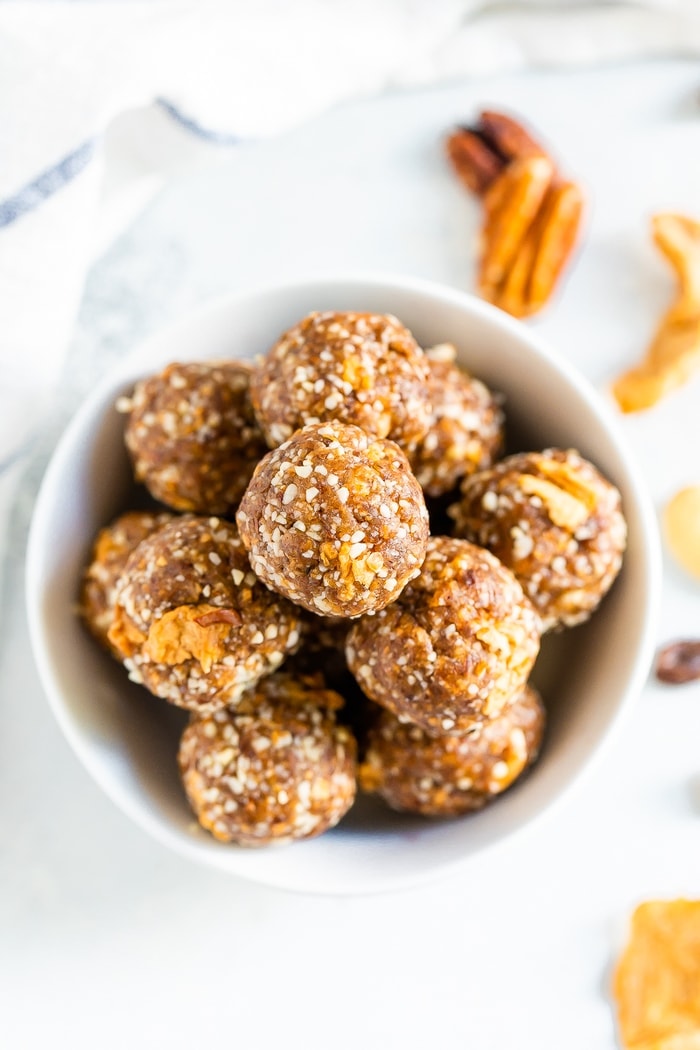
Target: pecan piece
(561,218)
(507,136)
(473,160)
(230,616)
(479,153)
(531,215)
(511,205)
(565,510)
(679,662)
(543,252)
(513,294)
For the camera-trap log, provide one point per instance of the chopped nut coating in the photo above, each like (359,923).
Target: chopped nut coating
(457,645)
(443,776)
(192,622)
(335,520)
(276,769)
(466,430)
(193,437)
(110,554)
(555,521)
(364,369)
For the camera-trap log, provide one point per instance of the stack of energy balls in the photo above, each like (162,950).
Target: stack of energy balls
(293,599)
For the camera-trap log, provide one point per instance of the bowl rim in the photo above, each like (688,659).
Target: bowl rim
(392,282)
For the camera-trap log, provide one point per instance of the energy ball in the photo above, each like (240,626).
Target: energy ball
(555,521)
(443,776)
(466,427)
(364,369)
(192,435)
(110,554)
(334,520)
(456,646)
(275,770)
(192,623)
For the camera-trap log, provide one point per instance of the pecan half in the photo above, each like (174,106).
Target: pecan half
(558,228)
(507,136)
(511,205)
(479,153)
(473,160)
(566,510)
(531,215)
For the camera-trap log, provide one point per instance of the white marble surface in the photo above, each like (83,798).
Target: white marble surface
(107,940)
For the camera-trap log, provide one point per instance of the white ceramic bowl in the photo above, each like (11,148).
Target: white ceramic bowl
(128,740)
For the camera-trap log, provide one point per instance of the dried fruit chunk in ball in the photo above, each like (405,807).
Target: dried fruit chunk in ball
(457,645)
(443,776)
(359,368)
(110,554)
(466,427)
(277,769)
(192,622)
(192,435)
(334,520)
(555,521)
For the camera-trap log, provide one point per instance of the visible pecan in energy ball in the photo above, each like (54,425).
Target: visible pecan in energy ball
(275,770)
(555,521)
(365,369)
(335,520)
(443,776)
(192,435)
(110,554)
(456,646)
(466,428)
(192,622)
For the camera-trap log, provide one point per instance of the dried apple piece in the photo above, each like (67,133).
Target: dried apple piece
(674,354)
(657,980)
(681,522)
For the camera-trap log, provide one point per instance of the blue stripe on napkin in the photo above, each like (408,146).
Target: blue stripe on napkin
(58,175)
(46,184)
(221,138)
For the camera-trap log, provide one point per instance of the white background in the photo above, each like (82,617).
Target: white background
(109,941)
